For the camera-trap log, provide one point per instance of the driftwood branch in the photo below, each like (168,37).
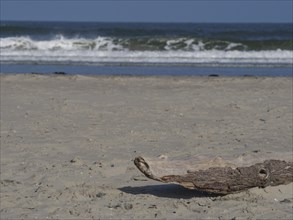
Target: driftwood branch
(217,175)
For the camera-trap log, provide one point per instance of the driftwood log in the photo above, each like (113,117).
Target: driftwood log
(218,175)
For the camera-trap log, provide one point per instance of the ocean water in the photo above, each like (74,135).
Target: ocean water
(147,48)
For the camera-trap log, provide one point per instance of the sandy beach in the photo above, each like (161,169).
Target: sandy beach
(68,144)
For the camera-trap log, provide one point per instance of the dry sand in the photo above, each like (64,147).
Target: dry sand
(68,144)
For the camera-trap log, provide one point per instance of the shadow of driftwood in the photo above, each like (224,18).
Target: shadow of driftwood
(166,190)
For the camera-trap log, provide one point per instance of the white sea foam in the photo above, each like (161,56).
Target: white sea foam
(58,43)
(103,49)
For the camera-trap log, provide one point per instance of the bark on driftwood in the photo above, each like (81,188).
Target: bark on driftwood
(217,175)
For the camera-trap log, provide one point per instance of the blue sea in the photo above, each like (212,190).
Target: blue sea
(226,49)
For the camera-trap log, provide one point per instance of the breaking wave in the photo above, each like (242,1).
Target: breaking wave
(102,49)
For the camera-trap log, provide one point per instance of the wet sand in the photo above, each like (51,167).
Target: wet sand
(68,144)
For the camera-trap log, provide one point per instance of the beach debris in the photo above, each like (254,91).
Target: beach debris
(9,182)
(100,194)
(286,201)
(98,163)
(59,73)
(218,175)
(249,75)
(76,160)
(139,178)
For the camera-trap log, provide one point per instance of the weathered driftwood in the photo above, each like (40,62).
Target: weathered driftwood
(218,175)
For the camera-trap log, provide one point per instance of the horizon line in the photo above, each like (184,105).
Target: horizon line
(183,22)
